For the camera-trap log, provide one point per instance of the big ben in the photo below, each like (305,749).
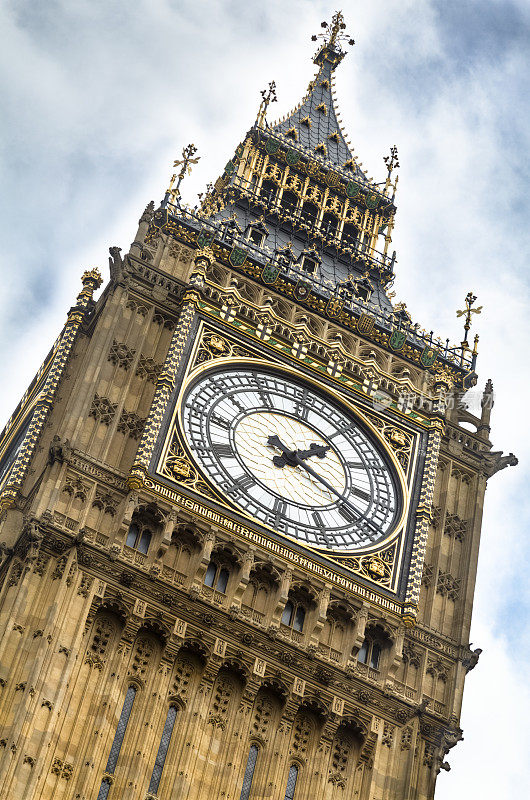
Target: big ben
(241,500)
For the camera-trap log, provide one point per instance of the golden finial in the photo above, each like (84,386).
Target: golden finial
(392,161)
(185,164)
(267,96)
(468,311)
(92,278)
(333,31)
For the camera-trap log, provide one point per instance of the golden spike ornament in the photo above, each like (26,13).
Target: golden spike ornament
(468,311)
(185,164)
(334,31)
(391,163)
(268,96)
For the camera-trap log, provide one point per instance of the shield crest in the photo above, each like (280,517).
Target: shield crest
(334,306)
(238,256)
(160,217)
(352,189)
(302,290)
(292,157)
(239,150)
(428,356)
(397,340)
(272,146)
(332,178)
(229,167)
(469,380)
(365,323)
(205,237)
(371,200)
(270,273)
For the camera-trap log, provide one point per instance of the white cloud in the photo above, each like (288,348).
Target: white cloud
(99,98)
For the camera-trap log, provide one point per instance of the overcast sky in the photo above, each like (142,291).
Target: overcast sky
(99,98)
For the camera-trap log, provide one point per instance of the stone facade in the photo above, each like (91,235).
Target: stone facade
(123,673)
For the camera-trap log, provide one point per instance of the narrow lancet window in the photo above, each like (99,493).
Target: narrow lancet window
(118,741)
(162,750)
(291,782)
(249,773)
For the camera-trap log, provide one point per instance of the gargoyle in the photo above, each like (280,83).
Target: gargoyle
(496,461)
(115,263)
(470,662)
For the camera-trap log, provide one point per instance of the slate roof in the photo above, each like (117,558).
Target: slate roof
(315,119)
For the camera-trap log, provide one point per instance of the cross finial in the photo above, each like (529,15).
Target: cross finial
(268,95)
(392,161)
(185,168)
(334,31)
(468,311)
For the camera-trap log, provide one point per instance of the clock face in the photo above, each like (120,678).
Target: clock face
(291,457)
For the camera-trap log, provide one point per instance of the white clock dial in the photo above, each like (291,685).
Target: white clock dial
(291,457)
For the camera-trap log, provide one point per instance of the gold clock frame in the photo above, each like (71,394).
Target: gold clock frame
(194,374)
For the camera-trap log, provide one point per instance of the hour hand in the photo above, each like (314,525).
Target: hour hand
(275,441)
(287,456)
(318,450)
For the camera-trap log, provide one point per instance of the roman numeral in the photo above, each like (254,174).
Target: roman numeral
(347,514)
(222,450)
(241,484)
(354,464)
(302,409)
(342,430)
(220,421)
(321,527)
(361,493)
(278,509)
(262,391)
(318,521)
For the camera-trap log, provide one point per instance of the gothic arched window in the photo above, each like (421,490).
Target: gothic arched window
(249,772)
(350,234)
(289,202)
(256,236)
(329,225)
(268,191)
(370,653)
(117,741)
(309,265)
(162,750)
(138,537)
(294,615)
(291,782)
(309,213)
(216,577)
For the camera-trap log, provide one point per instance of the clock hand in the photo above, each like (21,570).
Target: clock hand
(318,450)
(287,456)
(293,458)
(290,456)
(334,491)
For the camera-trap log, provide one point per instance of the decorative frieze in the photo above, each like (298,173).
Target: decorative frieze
(102,410)
(131,424)
(121,355)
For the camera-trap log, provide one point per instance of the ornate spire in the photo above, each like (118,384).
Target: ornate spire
(334,35)
(315,124)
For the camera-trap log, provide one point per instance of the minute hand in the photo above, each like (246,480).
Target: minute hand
(334,491)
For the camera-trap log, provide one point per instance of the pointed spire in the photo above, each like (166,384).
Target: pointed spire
(333,36)
(315,124)
(486,406)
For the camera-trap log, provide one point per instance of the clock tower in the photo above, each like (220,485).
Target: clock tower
(241,500)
